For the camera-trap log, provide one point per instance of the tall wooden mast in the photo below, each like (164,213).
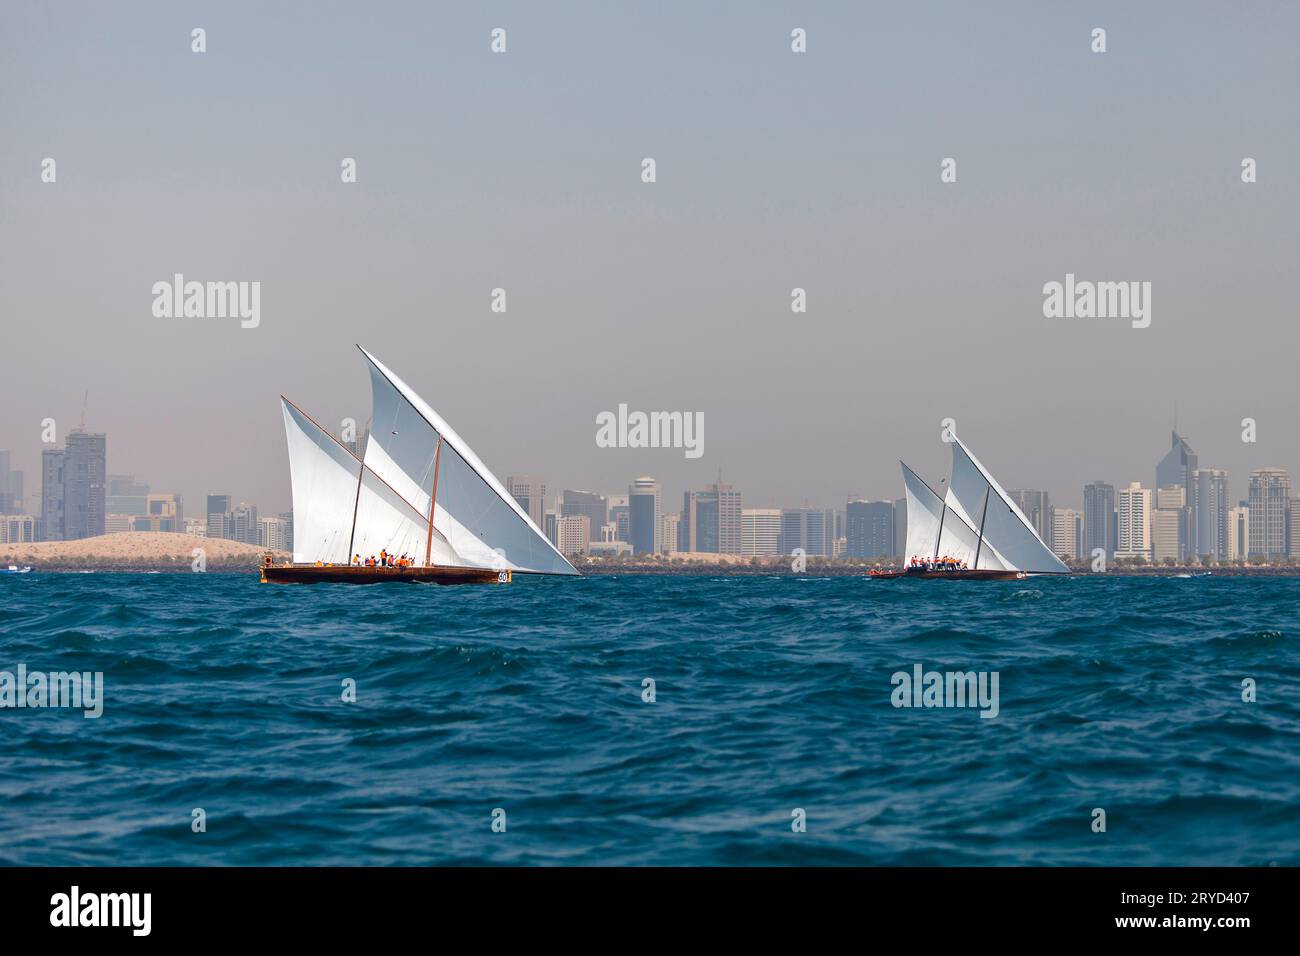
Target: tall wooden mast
(433,504)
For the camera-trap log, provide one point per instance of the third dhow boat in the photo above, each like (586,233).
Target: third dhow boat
(975,531)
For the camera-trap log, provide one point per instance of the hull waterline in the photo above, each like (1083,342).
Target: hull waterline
(983,574)
(352,574)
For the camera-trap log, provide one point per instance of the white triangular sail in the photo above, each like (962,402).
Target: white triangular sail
(323,475)
(1007,533)
(411,448)
(924,512)
(331,488)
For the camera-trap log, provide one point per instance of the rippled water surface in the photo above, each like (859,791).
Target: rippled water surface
(772,694)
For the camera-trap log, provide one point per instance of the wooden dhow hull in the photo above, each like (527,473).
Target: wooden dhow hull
(983,574)
(353,574)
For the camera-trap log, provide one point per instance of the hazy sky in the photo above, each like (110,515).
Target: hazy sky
(775,170)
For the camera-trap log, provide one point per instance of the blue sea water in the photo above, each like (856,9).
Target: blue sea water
(772,693)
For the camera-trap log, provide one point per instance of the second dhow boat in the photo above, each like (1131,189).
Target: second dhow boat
(974,532)
(418,491)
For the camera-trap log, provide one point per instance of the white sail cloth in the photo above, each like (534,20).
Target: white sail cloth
(924,512)
(1006,530)
(411,446)
(331,487)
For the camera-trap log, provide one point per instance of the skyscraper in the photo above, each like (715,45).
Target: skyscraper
(219,523)
(1270,493)
(11,486)
(900,527)
(585,503)
(1133,505)
(1067,532)
(643,516)
(710,521)
(812,529)
(1099,527)
(84,484)
(760,531)
(869,529)
(1178,468)
(1293,529)
(668,531)
(572,534)
(1210,513)
(243,523)
(1169,524)
(52,466)
(530,492)
(1236,543)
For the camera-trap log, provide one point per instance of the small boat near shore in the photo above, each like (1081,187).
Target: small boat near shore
(417,493)
(974,532)
(15,569)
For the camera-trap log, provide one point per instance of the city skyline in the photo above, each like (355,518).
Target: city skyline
(1188,511)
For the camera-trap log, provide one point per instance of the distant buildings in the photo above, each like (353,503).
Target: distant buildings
(710,520)
(1068,532)
(1210,513)
(11,486)
(572,534)
(760,531)
(644,509)
(1293,529)
(1133,505)
(84,485)
(1169,524)
(1099,520)
(273,534)
(900,527)
(585,503)
(1270,494)
(218,512)
(1178,469)
(1236,542)
(668,525)
(73,487)
(869,529)
(239,524)
(126,496)
(530,492)
(812,529)
(17,529)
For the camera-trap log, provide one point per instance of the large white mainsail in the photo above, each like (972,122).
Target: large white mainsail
(418,455)
(1006,532)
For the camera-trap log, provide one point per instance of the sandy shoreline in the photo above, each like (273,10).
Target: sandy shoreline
(133,550)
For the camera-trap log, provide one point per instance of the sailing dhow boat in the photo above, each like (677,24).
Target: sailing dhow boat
(418,491)
(975,526)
